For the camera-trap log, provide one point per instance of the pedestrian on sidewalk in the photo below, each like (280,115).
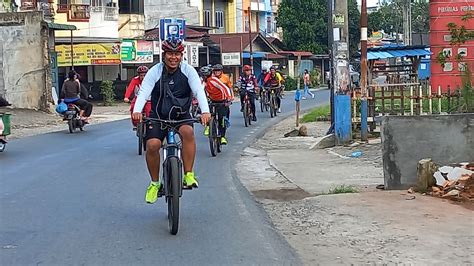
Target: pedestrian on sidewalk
(307,83)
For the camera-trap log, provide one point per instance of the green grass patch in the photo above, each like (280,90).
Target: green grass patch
(316,114)
(342,189)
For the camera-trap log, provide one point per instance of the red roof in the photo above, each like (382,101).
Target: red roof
(275,56)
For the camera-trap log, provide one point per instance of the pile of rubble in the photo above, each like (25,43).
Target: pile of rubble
(454,181)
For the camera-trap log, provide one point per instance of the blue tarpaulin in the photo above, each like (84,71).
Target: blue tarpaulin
(246,55)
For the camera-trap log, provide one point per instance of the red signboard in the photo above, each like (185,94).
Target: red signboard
(443,12)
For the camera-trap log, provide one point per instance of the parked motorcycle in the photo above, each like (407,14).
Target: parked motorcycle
(4,130)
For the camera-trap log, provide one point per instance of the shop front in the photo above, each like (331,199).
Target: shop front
(95,62)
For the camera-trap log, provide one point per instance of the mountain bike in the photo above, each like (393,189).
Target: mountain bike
(273,102)
(264,102)
(247,110)
(172,178)
(214,133)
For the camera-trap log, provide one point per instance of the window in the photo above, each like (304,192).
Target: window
(269,25)
(62,6)
(207,18)
(246,23)
(219,19)
(131,7)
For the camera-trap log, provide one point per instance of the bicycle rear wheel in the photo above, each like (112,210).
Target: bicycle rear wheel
(174,186)
(212,137)
(245,114)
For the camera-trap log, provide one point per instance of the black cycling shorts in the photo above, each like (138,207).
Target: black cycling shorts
(157,131)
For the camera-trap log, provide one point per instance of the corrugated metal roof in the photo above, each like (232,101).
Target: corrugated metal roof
(384,54)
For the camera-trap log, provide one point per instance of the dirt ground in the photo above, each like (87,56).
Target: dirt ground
(26,122)
(374,227)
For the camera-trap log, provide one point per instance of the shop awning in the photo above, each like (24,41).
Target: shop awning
(396,52)
(57,26)
(246,55)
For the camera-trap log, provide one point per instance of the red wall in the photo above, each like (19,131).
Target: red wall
(443,12)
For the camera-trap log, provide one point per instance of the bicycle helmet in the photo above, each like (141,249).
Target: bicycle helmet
(217,67)
(205,71)
(273,68)
(142,69)
(175,45)
(247,67)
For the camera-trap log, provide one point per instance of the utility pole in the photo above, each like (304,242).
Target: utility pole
(363,70)
(339,28)
(406,22)
(250,38)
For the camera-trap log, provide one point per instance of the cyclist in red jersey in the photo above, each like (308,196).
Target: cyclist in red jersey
(133,89)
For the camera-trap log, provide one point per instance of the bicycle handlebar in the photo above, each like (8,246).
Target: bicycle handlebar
(171,122)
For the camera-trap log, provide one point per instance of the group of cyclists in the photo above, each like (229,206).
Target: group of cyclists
(166,91)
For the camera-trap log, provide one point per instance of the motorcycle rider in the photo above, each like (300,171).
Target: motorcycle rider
(70,94)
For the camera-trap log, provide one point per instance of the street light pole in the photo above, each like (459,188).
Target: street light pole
(250,38)
(363,71)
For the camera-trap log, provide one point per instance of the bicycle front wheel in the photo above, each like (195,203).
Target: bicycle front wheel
(272,105)
(174,186)
(140,138)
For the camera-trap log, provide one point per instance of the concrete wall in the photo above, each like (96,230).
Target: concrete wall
(97,26)
(133,25)
(24,60)
(408,139)
(157,9)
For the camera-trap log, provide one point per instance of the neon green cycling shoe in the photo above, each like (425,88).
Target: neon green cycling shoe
(152,193)
(190,180)
(206,131)
(223,141)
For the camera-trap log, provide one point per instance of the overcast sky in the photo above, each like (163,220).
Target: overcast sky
(370,3)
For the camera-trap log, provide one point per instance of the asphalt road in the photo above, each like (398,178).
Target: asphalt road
(79,200)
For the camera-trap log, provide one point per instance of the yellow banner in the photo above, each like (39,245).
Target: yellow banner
(89,54)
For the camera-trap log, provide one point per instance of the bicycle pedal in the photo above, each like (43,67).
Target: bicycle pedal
(187,187)
(161,192)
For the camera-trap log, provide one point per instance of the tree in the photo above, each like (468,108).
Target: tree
(420,17)
(305,25)
(389,17)
(354,27)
